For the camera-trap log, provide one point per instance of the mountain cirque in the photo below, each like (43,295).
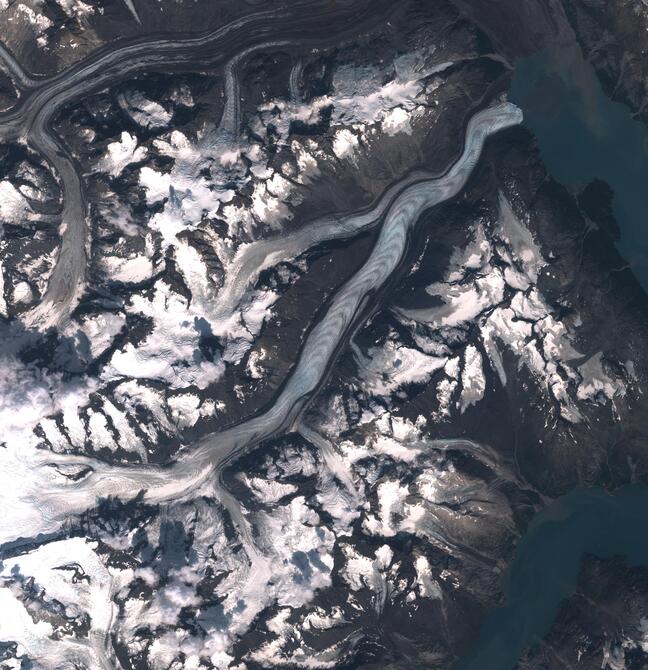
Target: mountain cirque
(298,334)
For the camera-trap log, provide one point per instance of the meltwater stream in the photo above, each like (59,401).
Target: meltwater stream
(546,566)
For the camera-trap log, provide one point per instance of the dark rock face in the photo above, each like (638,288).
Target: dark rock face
(602,625)
(613,38)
